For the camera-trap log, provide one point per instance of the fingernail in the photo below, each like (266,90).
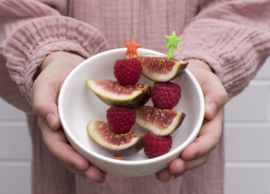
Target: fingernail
(51,119)
(180,173)
(212,109)
(181,169)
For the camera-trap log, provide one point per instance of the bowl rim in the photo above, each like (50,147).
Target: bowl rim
(68,132)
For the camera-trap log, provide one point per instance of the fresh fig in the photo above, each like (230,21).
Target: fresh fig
(159,68)
(113,94)
(160,122)
(125,144)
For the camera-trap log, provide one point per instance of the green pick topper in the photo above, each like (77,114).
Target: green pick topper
(172,43)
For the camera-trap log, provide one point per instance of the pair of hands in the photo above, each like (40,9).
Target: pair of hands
(52,74)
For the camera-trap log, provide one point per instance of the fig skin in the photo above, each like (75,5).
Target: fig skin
(161,122)
(134,101)
(153,67)
(128,152)
(101,133)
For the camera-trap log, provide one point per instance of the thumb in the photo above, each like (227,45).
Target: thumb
(54,70)
(215,95)
(45,93)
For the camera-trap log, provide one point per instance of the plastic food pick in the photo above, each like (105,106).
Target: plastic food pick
(118,157)
(172,43)
(132,48)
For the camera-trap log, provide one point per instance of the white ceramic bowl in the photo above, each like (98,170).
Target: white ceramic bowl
(78,105)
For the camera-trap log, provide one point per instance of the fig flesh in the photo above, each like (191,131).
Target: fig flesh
(159,68)
(160,122)
(123,145)
(113,94)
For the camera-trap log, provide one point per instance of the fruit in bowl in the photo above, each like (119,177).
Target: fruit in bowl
(113,94)
(160,122)
(125,144)
(114,136)
(160,69)
(78,105)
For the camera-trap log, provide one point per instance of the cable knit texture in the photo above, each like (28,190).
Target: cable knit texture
(232,36)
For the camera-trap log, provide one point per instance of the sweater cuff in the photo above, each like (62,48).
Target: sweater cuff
(232,50)
(32,42)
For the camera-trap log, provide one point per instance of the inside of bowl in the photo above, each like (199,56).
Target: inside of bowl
(80,104)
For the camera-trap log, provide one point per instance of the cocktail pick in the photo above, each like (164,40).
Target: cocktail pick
(172,43)
(132,48)
(118,157)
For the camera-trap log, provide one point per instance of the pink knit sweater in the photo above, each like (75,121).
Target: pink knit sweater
(232,36)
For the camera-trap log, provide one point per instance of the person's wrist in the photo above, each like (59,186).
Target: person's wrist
(199,64)
(61,55)
(69,57)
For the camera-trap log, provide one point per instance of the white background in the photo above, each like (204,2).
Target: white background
(247,144)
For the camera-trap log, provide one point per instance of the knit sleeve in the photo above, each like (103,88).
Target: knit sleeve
(233,37)
(33,39)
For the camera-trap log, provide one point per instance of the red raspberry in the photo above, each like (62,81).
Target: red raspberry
(121,119)
(166,95)
(155,146)
(127,72)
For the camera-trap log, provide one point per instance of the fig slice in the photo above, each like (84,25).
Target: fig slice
(123,145)
(160,122)
(159,68)
(113,94)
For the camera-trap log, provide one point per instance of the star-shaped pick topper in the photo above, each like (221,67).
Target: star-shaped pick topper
(132,48)
(172,43)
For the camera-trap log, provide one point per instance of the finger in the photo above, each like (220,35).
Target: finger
(177,166)
(164,175)
(94,174)
(73,169)
(91,173)
(103,177)
(207,140)
(195,163)
(214,93)
(58,145)
(192,164)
